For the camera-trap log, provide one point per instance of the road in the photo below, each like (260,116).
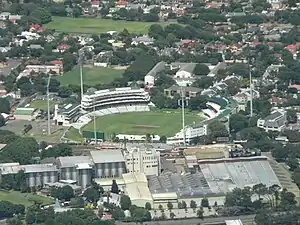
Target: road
(206,221)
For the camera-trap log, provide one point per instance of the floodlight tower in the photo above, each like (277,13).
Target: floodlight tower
(80,60)
(48,106)
(250,82)
(183,117)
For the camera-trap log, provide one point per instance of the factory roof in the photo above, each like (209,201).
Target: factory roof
(32,168)
(107,156)
(72,161)
(216,177)
(137,186)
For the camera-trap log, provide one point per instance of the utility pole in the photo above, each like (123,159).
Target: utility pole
(48,106)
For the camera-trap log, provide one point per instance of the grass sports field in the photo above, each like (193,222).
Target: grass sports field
(91,76)
(95,25)
(165,123)
(26,199)
(41,104)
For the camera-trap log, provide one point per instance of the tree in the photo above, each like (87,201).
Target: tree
(54,85)
(114,187)
(92,195)
(64,92)
(170,206)
(40,16)
(291,116)
(160,207)
(239,197)
(193,205)
(201,69)
(287,200)
(172,215)
(183,203)
(296,176)
(204,202)
(237,122)
(203,82)
(148,206)
(118,213)
(217,129)
(65,193)
(200,213)
(260,190)
(4,105)
(198,102)
(125,202)
(140,214)
(2,121)
(14,221)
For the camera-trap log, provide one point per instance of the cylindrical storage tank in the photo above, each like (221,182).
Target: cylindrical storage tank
(114,169)
(74,173)
(120,169)
(85,177)
(53,176)
(45,177)
(31,180)
(106,170)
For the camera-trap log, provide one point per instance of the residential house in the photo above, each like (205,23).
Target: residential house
(36,28)
(121,4)
(149,79)
(276,121)
(145,39)
(62,48)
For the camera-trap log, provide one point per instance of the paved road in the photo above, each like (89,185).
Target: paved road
(207,221)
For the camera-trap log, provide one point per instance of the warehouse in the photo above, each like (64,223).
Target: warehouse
(214,179)
(108,163)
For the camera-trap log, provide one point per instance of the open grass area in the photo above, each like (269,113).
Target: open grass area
(74,135)
(167,122)
(41,104)
(96,25)
(91,76)
(25,199)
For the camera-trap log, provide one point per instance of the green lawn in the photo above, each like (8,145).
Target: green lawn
(167,122)
(41,104)
(95,25)
(26,199)
(91,76)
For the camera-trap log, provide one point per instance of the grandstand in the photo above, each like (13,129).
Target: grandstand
(117,100)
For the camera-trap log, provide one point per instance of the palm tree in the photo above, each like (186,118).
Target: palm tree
(200,213)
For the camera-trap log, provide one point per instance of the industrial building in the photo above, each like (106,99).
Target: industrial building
(142,159)
(77,168)
(136,187)
(108,163)
(212,179)
(36,174)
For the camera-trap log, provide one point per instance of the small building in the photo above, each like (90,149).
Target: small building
(149,79)
(25,114)
(66,114)
(186,70)
(188,92)
(276,121)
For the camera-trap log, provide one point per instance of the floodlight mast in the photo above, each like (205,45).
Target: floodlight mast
(81,58)
(183,116)
(48,106)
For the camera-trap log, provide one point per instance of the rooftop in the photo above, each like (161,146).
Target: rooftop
(216,177)
(72,161)
(274,115)
(107,156)
(32,168)
(137,186)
